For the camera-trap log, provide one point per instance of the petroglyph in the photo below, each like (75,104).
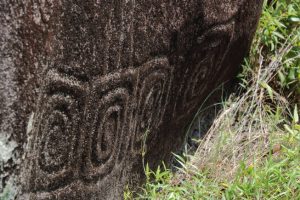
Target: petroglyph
(99,75)
(83,125)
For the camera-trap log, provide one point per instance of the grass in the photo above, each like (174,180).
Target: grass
(252,150)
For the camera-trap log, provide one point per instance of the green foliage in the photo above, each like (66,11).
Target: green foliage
(279,20)
(278,177)
(279,25)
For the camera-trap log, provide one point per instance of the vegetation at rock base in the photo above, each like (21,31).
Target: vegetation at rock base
(252,150)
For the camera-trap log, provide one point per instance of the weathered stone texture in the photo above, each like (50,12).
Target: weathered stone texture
(87,86)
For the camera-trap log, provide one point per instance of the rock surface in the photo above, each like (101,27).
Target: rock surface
(88,87)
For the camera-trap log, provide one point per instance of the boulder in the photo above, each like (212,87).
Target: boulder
(93,90)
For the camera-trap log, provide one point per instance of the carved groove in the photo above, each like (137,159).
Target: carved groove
(135,66)
(58,132)
(111,101)
(131,100)
(153,90)
(211,50)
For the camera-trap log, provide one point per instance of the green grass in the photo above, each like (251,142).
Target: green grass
(276,177)
(252,150)
(279,25)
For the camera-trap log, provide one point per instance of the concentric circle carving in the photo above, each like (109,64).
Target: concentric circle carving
(58,131)
(109,118)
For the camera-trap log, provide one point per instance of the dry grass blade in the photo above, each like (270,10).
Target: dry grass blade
(242,130)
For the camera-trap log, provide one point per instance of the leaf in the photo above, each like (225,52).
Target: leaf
(279,35)
(268,88)
(297,127)
(288,129)
(282,78)
(294,19)
(292,74)
(296,115)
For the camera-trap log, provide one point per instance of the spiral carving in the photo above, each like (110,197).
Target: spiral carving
(153,89)
(120,76)
(109,107)
(112,98)
(58,132)
(211,49)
